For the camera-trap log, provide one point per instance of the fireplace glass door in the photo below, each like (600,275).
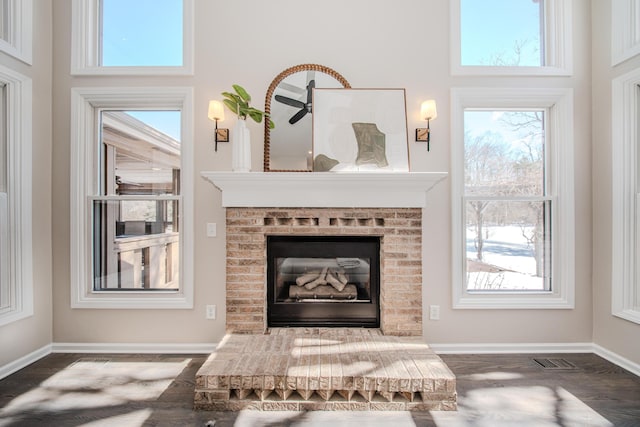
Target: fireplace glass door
(323,281)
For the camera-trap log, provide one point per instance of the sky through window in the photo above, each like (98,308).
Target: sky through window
(142,33)
(502,32)
(167,122)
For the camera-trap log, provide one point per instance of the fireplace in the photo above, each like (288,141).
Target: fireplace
(323,281)
(387,206)
(397,231)
(356,241)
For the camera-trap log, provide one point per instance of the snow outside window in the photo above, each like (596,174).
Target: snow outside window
(507,207)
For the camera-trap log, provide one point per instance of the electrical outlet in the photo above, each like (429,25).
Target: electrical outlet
(212,230)
(434,312)
(211,312)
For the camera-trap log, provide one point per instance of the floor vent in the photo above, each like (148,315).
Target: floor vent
(554,363)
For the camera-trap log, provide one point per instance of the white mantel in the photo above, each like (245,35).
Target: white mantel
(324,189)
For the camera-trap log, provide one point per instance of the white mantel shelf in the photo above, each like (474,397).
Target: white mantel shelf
(324,189)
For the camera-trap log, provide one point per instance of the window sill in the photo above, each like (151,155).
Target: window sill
(528,301)
(480,70)
(133,300)
(15,315)
(629,314)
(133,71)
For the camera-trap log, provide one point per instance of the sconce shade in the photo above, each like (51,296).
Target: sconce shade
(216,111)
(428,110)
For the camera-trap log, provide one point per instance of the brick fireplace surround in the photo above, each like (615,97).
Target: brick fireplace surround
(400,230)
(388,205)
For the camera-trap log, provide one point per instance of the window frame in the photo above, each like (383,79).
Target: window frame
(20,43)
(625,30)
(85,44)
(558,45)
(18,101)
(559,105)
(625,197)
(85,105)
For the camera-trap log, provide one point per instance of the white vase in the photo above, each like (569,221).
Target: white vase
(240,147)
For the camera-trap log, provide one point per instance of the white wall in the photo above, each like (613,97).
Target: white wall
(372,43)
(23,337)
(610,332)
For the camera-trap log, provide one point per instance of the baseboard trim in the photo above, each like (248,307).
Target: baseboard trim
(498,348)
(204,348)
(24,361)
(616,359)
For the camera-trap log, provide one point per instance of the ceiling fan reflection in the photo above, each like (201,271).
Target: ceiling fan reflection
(304,107)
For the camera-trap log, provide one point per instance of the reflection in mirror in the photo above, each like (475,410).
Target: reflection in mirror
(288,147)
(136,216)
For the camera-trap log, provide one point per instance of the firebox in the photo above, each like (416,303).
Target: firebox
(329,281)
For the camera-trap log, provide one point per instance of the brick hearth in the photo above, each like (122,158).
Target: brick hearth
(400,230)
(300,369)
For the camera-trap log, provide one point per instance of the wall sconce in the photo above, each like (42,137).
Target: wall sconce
(216,113)
(427,112)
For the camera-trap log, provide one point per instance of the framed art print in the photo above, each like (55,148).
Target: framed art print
(360,130)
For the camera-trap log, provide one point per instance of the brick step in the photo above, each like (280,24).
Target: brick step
(324,368)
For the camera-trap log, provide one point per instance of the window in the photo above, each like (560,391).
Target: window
(127,43)
(625,271)
(15,28)
(16,284)
(124,37)
(507,207)
(513,198)
(625,30)
(136,236)
(518,37)
(134,200)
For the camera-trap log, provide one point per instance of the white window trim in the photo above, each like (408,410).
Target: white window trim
(18,93)
(6,303)
(85,43)
(84,104)
(625,30)
(20,43)
(625,272)
(559,49)
(560,134)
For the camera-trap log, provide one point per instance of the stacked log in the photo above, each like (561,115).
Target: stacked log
(334,277)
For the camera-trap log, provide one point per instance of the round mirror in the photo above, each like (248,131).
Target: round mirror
(288,103)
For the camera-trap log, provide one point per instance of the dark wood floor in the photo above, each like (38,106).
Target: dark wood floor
(150,390)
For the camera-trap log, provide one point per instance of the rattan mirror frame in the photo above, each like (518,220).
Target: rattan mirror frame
(267,105)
